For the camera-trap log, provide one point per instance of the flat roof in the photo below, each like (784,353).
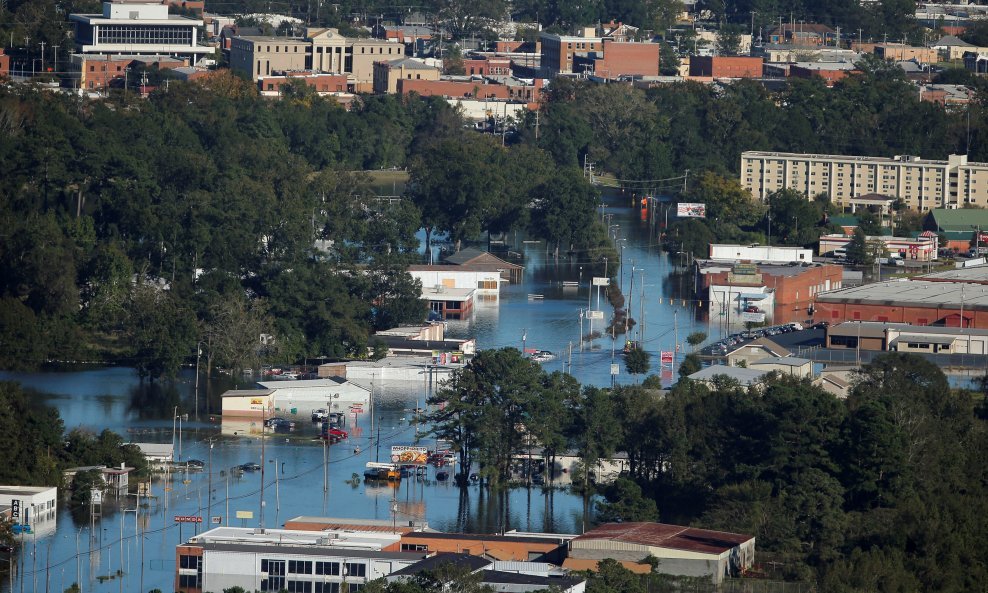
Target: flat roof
(99,19)
(764,267)
(843,157)
(972,274)
(877,329)
(273,39)
(517,578)
(488,537)
(789,361)
(323,539)
(16,490)
(744,376)
(911,293)
(662,535)
(308,550)
(913,338)
(247,392)
(447,294)
(328,382)
(468,561)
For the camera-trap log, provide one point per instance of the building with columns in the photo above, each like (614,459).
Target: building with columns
(923,184)
(139,28)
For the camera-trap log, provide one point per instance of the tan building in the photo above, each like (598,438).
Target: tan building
(388,73)
(923,184)
(898,52)
(558,51)
(264,56)
(321,50)
(365,53)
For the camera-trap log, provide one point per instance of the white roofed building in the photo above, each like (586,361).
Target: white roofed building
(139,28)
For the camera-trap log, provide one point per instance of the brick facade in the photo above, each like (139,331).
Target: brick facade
(628,59)
(793,294)
(726,67)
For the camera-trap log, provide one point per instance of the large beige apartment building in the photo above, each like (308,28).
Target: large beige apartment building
(321,50)
(923,184)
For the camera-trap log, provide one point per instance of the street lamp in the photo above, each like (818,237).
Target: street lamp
(198,355)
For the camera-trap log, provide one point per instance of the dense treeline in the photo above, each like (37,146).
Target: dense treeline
(137,228)
(36,449)
(882,491)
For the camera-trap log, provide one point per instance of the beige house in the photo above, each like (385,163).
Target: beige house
(755,350)
(248,403)
(785,365)
(388,73)
(923,184)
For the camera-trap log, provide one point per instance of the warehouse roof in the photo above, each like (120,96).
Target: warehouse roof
(742,375)
(972,274)
(904,293)
(960,219)
(661,535)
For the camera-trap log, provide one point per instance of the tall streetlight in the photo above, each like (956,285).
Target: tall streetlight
(198,355)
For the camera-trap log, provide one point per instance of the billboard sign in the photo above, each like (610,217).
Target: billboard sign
(187,519)
(408,455)
(245,514)
(691,210)
(595,315)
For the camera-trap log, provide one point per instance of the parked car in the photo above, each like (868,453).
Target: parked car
(250,467)
(195,463)
(333,433)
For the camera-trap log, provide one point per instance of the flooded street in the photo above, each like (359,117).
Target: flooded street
(115,399)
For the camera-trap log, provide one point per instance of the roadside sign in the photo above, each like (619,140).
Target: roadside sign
(615,369)
(245,514)
(599,281)
(217,520)
(595,315)
(187,519)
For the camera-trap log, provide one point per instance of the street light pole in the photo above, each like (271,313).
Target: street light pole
(198,355)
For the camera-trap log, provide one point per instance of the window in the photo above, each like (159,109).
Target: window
(328,568)
(299,567)
(92,68)
(327,588)
(189,580)
(299,587)
(354,587)
(273,567)
(420,547)
(189,561)
(356,570)
(273,584)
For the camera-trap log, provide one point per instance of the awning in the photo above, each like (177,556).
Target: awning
(943,340)
(753,296)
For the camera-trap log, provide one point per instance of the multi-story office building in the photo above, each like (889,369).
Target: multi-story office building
(321,50)
(138,28)
(923,184)
(558,51)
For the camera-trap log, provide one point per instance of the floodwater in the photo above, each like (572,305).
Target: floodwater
(108,556)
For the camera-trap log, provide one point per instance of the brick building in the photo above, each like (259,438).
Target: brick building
(804,34)
(98,72)
(474,89)
(784,292)
(627,59)
(726,67)
(558,51)
(4,65)
(490,66)
(916,302)
(830,72)
(321,82)
(387,74)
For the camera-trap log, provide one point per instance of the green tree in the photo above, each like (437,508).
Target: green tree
(625,502)
(636,362)
(857,249)
(691,364)
(695,339)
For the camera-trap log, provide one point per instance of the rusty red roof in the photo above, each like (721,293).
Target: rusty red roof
(662,535)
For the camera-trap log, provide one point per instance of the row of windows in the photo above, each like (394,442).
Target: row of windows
(185,561)
(277,567)
(292,586)
(145,35)
(190,581)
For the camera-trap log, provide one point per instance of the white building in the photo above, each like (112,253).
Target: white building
(138,28)
(761,253)
(36,506)
(485,282)
(157,452)
(299,397)
(332,561)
